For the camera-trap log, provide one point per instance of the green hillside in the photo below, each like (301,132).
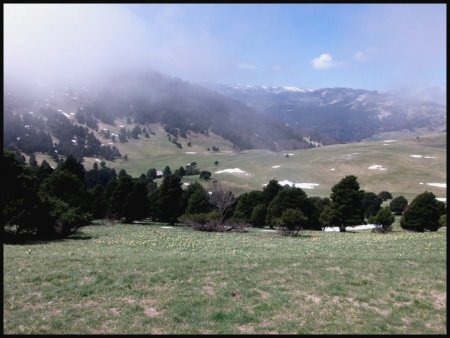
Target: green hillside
(403,174)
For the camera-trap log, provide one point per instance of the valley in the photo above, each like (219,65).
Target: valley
(268,168)
(138,121)
(403,175)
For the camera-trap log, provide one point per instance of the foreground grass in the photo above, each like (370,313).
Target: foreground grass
(147,279)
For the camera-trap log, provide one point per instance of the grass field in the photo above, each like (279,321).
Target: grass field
(144,279)
(403,174)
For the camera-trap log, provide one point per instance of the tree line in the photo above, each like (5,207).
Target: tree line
(43,202)
(31,133)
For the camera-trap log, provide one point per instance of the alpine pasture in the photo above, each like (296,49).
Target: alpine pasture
(402,174)
(145,279)
(153,279)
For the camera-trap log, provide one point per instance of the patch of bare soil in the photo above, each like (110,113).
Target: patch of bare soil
(376,309)
(87,280)
(114,311)
(150,311)
(247,329)
(439,299)
(209,290)
(104,329)
(314,299)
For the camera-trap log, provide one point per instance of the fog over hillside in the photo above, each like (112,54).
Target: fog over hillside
(155,63)
(270,45)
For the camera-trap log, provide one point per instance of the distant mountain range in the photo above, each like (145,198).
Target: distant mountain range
(344,114)
(63,119)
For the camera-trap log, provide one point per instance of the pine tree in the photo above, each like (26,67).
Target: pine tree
(258,216)
(288,198)
(32,161)
(346,204)
(198,202)
(117,199)
(168,199)
(180,172)
(167,172)
(245,204)
(19,193)
(423,213)
(319,205)
(384,218)
(123,173)
(74,166)
(99,203)
(205,175)
(384,195)
(293,219)
(398,205)
(135,206)
(67,187)
(151,173)
(371,204)
(271,190)
(44,171)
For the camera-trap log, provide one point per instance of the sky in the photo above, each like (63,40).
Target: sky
(368,46)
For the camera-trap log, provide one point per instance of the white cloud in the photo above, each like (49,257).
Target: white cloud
(324,61)
(244,65)
(361,56)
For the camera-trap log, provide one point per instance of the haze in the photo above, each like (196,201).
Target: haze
(381,47)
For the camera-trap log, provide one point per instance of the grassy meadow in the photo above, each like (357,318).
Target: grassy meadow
(403,174)
(147,279)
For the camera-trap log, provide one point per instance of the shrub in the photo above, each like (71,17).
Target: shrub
(211,222)
(199,218)
(384,195)
(384,218)
(71,220)
(258,216)
(423,213)
(205,175)
(67,219)
(398,205)
(293,220)
(235,225)
(210,227)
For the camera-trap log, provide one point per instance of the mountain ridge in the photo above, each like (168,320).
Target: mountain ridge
(62,119)
(345,114)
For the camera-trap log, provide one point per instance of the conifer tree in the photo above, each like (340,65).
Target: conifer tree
(398,205)
(168,200)
(384,218)
(135,206)
(423,213)
(346,206)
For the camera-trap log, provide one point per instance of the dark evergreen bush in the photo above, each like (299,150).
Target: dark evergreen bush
(422,214)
